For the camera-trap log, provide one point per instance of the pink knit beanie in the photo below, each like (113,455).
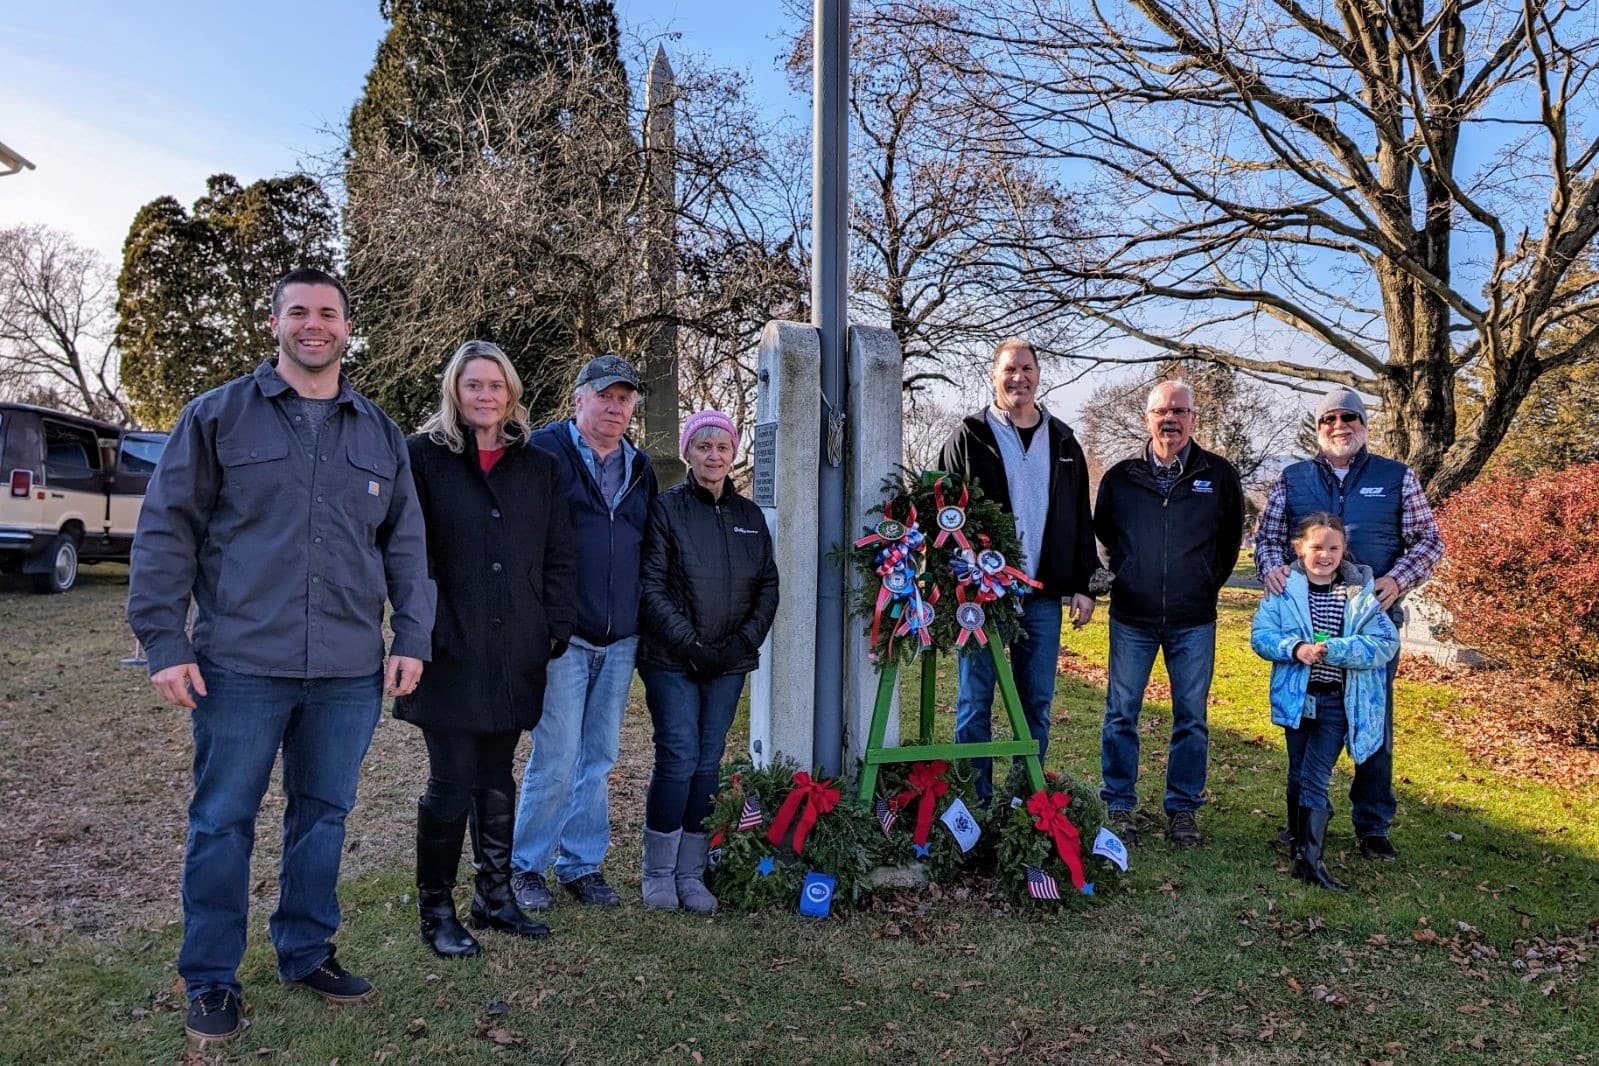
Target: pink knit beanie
(702,420)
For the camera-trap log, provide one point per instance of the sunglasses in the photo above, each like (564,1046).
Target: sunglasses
(1345,417)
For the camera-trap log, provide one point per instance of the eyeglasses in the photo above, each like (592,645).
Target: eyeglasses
(1162,412)
(1345,417)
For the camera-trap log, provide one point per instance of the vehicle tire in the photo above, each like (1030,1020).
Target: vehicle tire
(63,558)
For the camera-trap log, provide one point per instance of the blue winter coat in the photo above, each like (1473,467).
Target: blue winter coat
(1282,623)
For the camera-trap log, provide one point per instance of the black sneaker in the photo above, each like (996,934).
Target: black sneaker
(215,1017)
(336,984)
(1124,826)
(592,889)
(532,894)
(1378,847)
(1182,829)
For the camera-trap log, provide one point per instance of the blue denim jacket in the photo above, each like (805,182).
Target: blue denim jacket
(1282,623)
(288,555)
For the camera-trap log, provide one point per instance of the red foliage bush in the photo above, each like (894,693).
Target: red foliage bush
(1521,578)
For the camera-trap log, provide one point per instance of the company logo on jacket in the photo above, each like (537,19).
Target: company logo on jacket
(1203,486)
(1372,490)
(741,529)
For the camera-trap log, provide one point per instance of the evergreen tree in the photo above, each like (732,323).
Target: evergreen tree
(449,89)
(194,293)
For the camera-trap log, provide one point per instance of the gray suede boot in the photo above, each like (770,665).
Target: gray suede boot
(691,856)
(661,853)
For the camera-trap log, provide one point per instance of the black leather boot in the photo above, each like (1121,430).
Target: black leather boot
(1286,836)
(1312,836)
(494,904)
(438,853)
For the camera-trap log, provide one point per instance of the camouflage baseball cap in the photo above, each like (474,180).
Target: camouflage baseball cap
(608,370)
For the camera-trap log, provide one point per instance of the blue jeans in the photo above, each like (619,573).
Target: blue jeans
(1033,661)
(1313,751)
(1190,655)
(1371,795)
(564,810)
(324,727)
(691,720)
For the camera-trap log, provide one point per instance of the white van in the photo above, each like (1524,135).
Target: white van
(73,493)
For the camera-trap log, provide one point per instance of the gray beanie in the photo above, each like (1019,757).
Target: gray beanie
(1341,399)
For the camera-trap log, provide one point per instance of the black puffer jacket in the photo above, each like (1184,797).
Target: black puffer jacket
(708,575)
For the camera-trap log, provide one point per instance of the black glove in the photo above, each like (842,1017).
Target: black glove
(558,646)
(730,651)
(704,661)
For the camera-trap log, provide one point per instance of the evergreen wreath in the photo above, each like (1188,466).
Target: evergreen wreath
(944,860)
(1021,844)
(986,527)
(840,843)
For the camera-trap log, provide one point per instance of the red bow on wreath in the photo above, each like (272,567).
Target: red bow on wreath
(1048,809)
(926,781)
(818,797)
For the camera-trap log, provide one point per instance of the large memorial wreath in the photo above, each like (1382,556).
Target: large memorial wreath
(937,569)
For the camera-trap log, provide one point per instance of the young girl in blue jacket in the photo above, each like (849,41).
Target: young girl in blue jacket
(1328,640)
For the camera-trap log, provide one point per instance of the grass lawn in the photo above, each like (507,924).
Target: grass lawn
(1481,945)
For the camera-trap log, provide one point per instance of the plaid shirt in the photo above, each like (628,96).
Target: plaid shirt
(1418,531)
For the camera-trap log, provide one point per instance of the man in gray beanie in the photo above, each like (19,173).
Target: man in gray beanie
(1390,529)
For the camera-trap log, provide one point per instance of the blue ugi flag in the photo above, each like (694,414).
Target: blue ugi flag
(816,896)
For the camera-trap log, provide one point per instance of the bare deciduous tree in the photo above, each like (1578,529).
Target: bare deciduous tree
(541,215)
(1243,420)
(936,203)
(1385,195)
(56,321)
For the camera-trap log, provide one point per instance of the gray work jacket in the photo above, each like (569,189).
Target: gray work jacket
(288,555)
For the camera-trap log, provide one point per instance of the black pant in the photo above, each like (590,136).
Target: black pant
(461,762)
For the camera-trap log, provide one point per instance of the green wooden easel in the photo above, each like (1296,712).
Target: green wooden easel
(925,749)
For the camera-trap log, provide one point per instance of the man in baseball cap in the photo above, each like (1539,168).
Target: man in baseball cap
(563,816)
(1391,529)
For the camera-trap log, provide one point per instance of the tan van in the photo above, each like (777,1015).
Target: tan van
(73,493)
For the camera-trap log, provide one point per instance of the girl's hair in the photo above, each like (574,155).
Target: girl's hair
(445,427)
(1319,520)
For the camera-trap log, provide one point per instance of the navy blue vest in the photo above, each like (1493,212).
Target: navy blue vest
(1370,500)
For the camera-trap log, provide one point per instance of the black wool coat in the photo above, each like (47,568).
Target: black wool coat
(709,574)
(500,549)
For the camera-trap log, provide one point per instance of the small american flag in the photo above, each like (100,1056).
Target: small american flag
(886,816)
(1040,885)
(750,817)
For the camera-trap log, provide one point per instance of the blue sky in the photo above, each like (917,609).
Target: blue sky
(117,103)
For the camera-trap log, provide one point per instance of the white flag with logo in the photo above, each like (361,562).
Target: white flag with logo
(960,822)
(1110,845)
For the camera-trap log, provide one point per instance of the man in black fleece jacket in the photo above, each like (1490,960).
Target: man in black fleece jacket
(1030,463)
(1172,519)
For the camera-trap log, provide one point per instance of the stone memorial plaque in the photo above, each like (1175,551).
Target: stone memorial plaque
(766,464)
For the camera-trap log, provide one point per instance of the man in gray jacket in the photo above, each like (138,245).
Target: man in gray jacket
(284,506)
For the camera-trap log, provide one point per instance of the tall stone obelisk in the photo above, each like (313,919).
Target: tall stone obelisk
(660,354)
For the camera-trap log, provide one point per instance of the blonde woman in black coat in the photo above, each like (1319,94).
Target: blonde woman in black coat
(500,551)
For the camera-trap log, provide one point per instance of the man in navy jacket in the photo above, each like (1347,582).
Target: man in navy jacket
(563,814)
(1171,518)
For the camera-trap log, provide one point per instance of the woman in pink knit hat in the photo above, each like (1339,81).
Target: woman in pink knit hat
(708,591)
